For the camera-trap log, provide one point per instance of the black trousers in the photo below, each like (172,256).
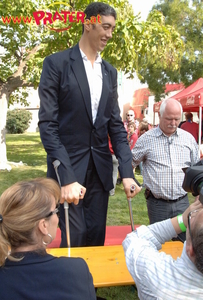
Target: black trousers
(88,218)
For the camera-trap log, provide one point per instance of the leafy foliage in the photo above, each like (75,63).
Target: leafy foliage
(18,120)
(26,44)
(187,19)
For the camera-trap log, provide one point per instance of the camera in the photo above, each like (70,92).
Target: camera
(193,181)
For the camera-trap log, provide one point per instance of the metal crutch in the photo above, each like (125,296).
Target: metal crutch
(56,164)
(132,189)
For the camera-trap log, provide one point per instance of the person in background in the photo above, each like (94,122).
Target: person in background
(142,128)
(132,135)
(190,126)
(157,275)
(165,151)
(130,117)
(115,169)
(78,111)
(29,213)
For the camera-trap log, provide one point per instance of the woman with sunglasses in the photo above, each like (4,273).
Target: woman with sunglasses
(28,223)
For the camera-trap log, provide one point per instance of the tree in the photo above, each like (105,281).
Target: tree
(28,40)
(18,120)
(187,19)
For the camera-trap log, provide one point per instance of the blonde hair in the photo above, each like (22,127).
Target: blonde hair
(21,207)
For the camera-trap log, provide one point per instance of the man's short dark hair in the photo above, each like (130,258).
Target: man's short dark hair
(198,247)
(188,116)
(99,8)
(132,124)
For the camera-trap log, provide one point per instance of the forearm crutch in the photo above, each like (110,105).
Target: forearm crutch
(56,164)
(132,189)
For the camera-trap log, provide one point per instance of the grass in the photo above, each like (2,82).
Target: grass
(27,148)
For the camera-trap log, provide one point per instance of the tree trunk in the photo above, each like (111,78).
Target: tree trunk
(4,97)
(6,88)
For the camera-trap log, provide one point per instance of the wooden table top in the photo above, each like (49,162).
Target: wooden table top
(107,264)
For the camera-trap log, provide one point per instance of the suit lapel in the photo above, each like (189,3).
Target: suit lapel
(80,74)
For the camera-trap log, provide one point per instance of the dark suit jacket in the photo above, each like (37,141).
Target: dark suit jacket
(45,277)
(65,120)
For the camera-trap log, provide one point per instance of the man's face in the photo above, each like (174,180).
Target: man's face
(99,34)
(130,116)
(170,119)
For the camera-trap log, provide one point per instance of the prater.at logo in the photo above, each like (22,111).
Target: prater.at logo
(55,19)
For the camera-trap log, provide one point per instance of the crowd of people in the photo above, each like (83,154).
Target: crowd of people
(81,128)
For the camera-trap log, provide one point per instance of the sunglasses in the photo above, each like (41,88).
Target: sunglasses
(55,211)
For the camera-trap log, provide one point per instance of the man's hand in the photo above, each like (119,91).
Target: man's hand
(195,205)
(72,193)
(127,183)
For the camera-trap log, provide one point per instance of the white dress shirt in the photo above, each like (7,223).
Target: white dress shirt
(156,274)
(94,77)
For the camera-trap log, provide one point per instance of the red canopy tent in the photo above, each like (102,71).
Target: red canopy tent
(191,99)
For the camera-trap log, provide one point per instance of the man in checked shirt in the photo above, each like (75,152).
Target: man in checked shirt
(165,151)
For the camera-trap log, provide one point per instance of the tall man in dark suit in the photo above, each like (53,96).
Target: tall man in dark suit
(78,109)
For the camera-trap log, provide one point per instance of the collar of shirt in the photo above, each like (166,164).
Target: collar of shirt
(160,132)
(94,78)
(97,60)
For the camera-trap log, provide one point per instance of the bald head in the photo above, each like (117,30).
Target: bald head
(170,116)
(171,103)
(130,115)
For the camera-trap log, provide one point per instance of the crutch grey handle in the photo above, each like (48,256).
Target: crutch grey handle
(132,189)
(56,164)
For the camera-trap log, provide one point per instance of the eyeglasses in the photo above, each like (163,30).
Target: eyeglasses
(191,215)
(130,115)
(55,211)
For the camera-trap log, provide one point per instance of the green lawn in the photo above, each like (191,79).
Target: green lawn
(28,149)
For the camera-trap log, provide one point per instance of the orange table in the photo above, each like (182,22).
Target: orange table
(107,264)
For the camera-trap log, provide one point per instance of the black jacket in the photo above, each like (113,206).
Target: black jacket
(65,120)
(43,277)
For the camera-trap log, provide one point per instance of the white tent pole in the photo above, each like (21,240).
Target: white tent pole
(153,118)
(200,126)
